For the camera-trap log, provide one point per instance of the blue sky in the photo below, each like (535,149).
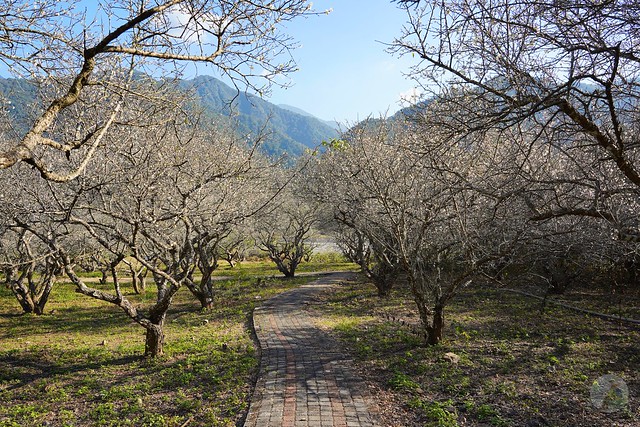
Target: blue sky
(345,73)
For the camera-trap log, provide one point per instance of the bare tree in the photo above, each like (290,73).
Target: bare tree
(213,230)
(341,178)
(29,268)
(85,53)
(148,199)
(232,247)
(285,230)
(565,75)
(138,274)
(440,212)
(155,219)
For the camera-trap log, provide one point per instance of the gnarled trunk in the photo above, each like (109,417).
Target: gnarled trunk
(203,290)
(383,286)
(104,275)
(382,267)
(23,298)
(138,278)
(434,331)
(154,341)
(432,323)
(43,297)
(33,295)
(204,295)
(139,282)
(231,257)
(284,267)
(431,313)
(382,274)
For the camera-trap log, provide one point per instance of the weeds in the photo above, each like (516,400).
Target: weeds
(437,414)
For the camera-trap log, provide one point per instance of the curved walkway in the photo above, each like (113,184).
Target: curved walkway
(304,379)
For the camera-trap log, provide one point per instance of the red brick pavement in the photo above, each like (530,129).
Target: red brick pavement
(305,381)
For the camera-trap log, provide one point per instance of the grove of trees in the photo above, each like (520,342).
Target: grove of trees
(520,163)
(117,166)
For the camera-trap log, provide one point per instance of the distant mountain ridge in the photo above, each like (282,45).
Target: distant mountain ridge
(289,132)
(332,123)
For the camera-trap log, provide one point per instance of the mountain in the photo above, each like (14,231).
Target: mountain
(295,110)
(288,132)
(332,123)
(20,99)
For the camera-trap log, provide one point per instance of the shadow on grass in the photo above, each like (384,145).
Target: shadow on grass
(11,315)
(68,320)
(22,368)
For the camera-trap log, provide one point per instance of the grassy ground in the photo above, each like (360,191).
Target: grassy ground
(517,367)
(265,268)
(80,364)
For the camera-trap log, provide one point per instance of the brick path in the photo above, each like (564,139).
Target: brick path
(304,379)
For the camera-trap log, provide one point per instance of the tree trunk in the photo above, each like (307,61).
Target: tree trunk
(206,286)
(434,332)
(204,290)
(21,292)
(42,300)
(230,258)
(161,286)
(138,280)
(103,278)
(153,323)
(432,321)
(138,277)
(206,301)
(423,312)
(383,285)
(383,273)
(288,271)
(154,342)
(23,298)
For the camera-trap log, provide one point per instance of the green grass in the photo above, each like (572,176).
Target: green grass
(437,414)
(266,268)
(517,367)
(80,364)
